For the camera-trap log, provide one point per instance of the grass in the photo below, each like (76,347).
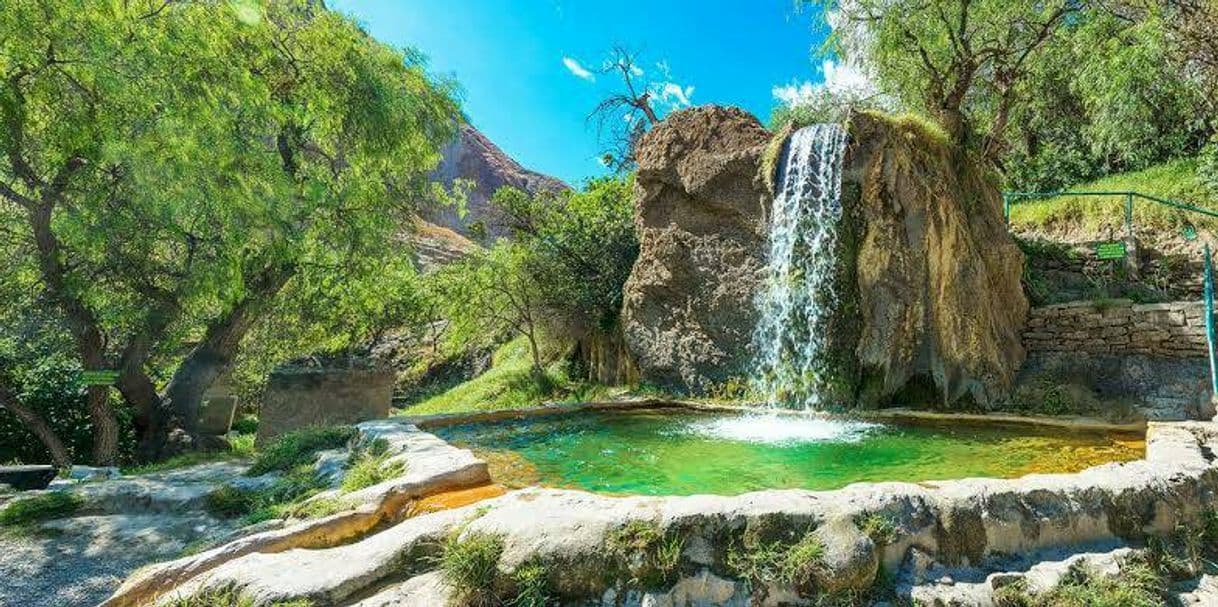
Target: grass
(469,566)
(762,563)
(652,557)
(370,466)
(241,446)
(1174,180)
(1138,585)
(229,598)
(284,498)
(298,448)
(47,506)
(532,586)
(509,384)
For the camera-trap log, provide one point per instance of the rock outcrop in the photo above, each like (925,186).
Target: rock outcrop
(688,311)
(474,158)
(940,300)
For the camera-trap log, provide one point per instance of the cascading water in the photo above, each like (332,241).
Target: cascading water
(799,296)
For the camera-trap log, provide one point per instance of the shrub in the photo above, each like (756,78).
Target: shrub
(469,566)
(246,424)
(39,508)
(299,447)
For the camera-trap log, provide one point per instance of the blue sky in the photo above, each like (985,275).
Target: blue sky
(509,57)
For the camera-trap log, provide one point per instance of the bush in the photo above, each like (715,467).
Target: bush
(39,508)
(652,558)
(299,447)
(51,387)
(1207,167)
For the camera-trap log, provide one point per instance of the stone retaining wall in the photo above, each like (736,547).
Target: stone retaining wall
(1118,328)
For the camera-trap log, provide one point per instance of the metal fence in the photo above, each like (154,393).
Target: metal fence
(1011,199)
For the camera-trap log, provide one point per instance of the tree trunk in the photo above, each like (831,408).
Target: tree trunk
(85,332)
(215,354)
(38,426)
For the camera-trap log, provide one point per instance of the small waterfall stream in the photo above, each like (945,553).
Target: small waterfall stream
(798,296)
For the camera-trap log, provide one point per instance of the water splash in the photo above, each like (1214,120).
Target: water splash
(781,429)
(799,295)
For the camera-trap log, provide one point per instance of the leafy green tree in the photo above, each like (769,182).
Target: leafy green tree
(178,165)
(960,61)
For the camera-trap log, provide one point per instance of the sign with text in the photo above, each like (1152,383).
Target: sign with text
(102,377)
(1110,250)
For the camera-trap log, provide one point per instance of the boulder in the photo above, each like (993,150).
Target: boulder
(939,298)
(688,311)
(300,397)
(27,478)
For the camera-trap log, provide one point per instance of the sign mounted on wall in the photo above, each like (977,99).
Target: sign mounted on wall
(102,377)
(1110,250)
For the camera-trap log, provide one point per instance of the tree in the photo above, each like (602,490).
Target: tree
(492,294)
(179,164)
(631,110)
(961,61)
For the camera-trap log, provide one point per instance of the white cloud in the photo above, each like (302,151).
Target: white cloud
(578,70)
(672,95)
(839,80)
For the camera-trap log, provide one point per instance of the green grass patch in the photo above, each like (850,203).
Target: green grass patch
(47,506)
(532,586)
(230,598)
(1173,180)
(284,498)
(651,557)
(764,562)
(510,383)
(1138,585)
(469,566)
(370,466)
(299,447)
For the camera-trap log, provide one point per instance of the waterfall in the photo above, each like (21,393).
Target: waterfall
(798,296)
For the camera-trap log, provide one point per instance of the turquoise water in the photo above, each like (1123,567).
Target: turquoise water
(684,453)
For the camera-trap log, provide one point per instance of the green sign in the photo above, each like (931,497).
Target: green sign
(1110,250)
(104,377)
(1189,232)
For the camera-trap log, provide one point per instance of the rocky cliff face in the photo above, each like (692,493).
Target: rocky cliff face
(688,313)
(931,279)
(471,156)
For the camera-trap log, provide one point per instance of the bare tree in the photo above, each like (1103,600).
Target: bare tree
(623,116)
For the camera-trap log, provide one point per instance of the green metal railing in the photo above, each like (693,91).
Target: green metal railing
(1010,199)
(1209,321)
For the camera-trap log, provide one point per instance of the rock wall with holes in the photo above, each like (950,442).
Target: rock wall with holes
(1121,327)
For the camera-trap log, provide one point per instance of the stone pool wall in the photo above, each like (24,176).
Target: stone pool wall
(1120,328)
(576,537)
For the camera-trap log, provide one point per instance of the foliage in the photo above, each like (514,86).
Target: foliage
(651,557)
(1173,180)
(1138,585)
(216,167)
(469,566)
(299,447)
(510,383)
(880,528)
(46,506)
(370,466)
(1207,167)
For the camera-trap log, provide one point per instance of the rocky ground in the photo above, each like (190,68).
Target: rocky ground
(125,524)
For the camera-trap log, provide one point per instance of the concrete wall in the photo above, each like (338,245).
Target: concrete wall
(302,397)
(1119,328)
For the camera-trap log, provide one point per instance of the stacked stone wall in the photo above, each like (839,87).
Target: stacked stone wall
(1118,328)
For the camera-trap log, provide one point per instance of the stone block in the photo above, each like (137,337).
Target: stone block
(302,397)
(27,478)
(216,415)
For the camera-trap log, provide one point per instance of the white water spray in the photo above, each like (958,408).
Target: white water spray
(798,297)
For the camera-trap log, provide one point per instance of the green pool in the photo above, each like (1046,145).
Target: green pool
(679,452)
